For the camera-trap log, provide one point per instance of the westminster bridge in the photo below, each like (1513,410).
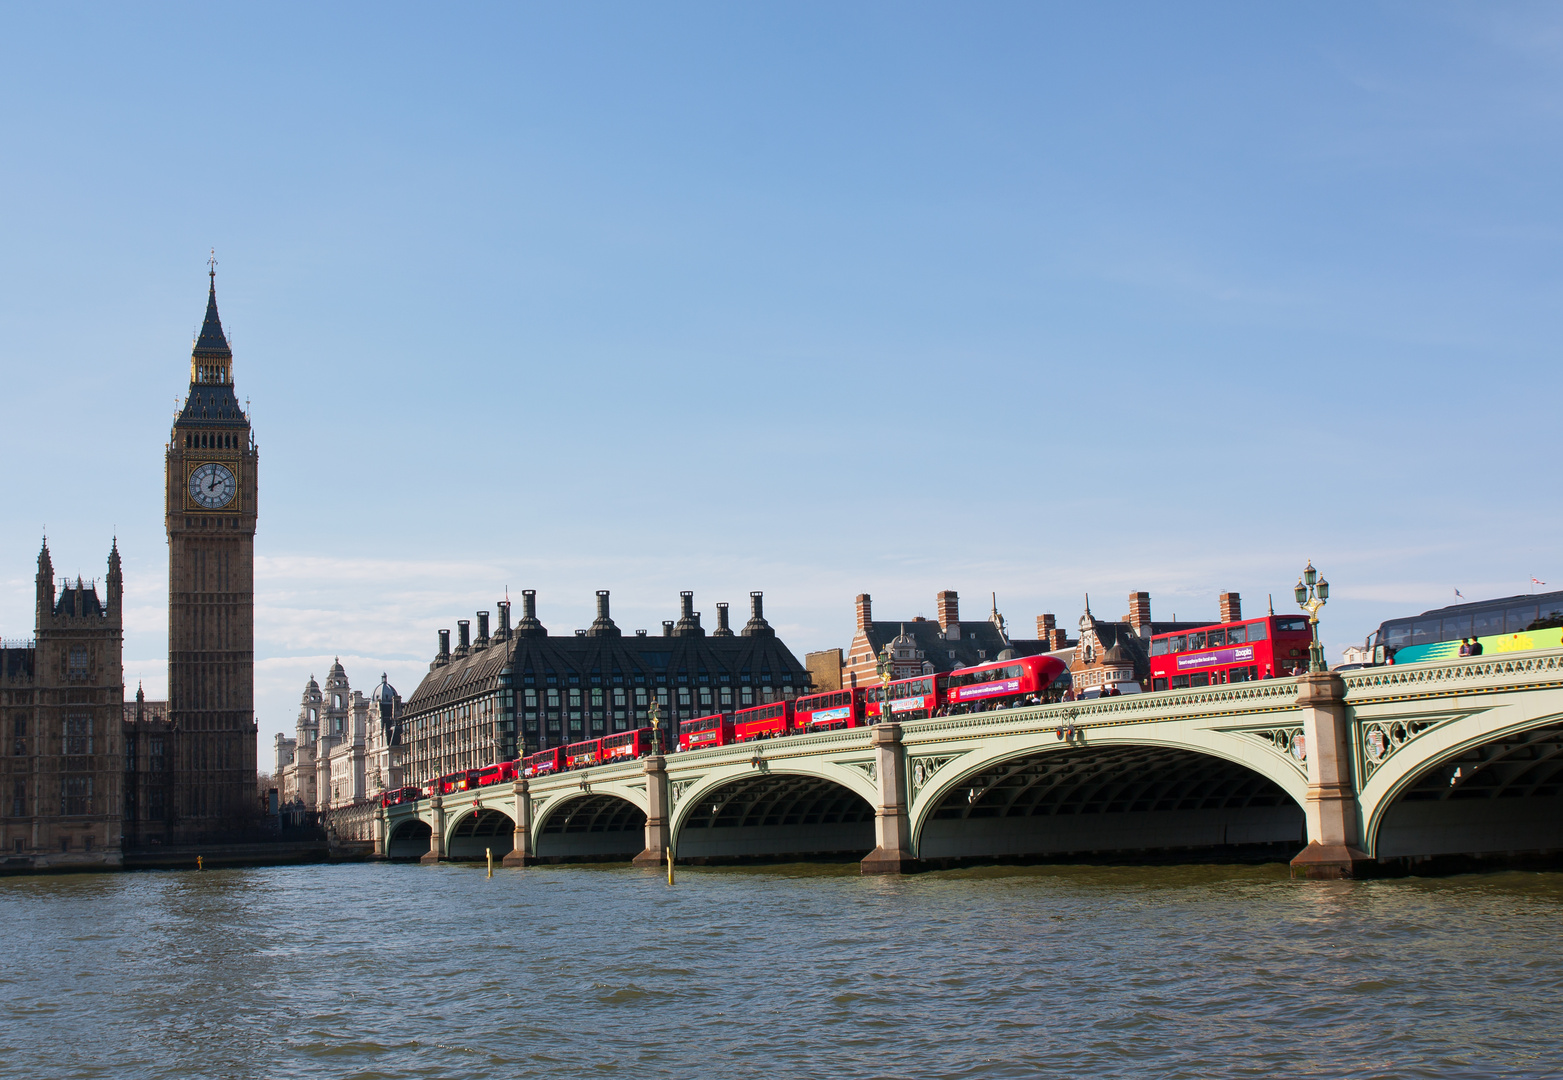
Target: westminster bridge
(1351,773)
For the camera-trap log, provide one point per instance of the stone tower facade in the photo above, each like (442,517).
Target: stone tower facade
(210,512)
(62,702)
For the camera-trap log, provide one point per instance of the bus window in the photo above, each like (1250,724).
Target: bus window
(1177,644)
(1456,626)
(1014,671)
(1196,641)
(1202,679)
(1549,618)
(1159,648)
(1236,635)
(1158,684)
(1516,619)
(1398,636)
(1180,682)
(1243,674)
(1488,623)
(1215,638)
(1259,631)
(1291,624)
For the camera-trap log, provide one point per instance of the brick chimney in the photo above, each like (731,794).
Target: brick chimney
(865,610)
(949,604)
(1045,623)
(1231,607)
(1140,613)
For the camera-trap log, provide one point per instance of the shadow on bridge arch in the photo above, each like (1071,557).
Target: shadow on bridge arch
(591,827)
(1114,801)
(772,815)
(1497,801)
(409,840)
(476,833)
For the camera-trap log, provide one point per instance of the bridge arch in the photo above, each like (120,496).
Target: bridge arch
(589,825)
(1476,784)
(408,839)
(801,807)
(1041,796)
(478,830)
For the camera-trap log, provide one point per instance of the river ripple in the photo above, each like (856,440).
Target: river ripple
(374,971)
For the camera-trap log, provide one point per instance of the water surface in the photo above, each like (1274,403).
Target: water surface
(404,971)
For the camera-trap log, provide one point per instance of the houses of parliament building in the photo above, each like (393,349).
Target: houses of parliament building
(86,776)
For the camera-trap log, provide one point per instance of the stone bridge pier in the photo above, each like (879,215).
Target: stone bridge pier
(521,853)
(892,852)
(1330,806)
(659,822)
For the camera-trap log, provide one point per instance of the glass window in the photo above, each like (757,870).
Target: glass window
(1236,635)
(1159,647)
(553,699)
(575,699)
(1239,674)
(1013,671)
(1519,618)
(640,697)
(1214,639)
(1487,623)
(1292,625)
(1158,684)
(1425,631)
(1456,627)
(1398,635)
(1178,643)
(1202,679)
(596,697)
(1196,641)
(1180,682)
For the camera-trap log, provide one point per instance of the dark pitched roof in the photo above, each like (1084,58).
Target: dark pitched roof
(480,670)
(976,637)
(212,342)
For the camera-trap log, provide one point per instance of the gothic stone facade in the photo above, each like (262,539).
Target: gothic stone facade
(210,514)
(61,703)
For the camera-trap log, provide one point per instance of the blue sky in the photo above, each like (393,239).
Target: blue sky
(815,299)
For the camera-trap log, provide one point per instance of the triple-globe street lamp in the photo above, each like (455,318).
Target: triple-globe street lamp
(885,669)
(1312,593)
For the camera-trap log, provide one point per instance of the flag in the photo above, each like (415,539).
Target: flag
(1460,594)
(1537,581)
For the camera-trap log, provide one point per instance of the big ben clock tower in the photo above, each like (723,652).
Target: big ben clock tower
(210,516)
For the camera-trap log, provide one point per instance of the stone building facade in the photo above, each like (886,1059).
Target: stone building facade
(62,709)
(210,514)
(520,688)
(345,747)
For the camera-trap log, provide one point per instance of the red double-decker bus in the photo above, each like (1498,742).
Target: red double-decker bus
(626,745)
(581,754)
(1230,652)
(498,773)
(543,762)
(401,795)
(763,722)
(713,730)
(454,782)
(910,699)
(1024,680)
(829,711)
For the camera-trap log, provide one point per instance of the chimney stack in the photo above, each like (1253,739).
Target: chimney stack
(1140,613)
(504,620)
(602,625)
(722,629)
(529,626)
(1045,626)
(443,656)
(482,629)
(865,611)
(757,626)
(667,627)
(463,636)
(949,604)
(688,617)
(1231,607)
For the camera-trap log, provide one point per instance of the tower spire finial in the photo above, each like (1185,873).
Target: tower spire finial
(211,267)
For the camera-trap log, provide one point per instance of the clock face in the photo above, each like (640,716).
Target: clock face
(212,486)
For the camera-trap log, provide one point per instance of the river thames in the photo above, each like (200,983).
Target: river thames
(404,971)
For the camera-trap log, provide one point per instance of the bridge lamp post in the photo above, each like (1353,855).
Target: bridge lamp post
(885,669)
(1312,593)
